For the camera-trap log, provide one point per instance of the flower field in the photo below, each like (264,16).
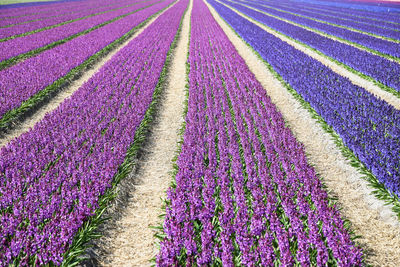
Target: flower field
(244,186)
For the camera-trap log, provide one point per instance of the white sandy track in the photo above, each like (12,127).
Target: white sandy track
(67,92)
(370,218)
(131,242)
(354,78)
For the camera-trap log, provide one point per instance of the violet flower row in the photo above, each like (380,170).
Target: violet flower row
(82,6)
(53,176)
(385,16)
(237,199)
(349,15)
(369,126)
(23,80)
(379,68)
(380,45)
(35,25)
(41,9)
(14,47)
(366,27)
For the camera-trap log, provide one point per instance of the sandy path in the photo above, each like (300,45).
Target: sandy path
(358,46)
(128,240)
(375,222)
(354,78)
(68,91)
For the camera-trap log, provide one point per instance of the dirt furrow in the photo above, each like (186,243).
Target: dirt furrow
(130,241)
(30,121)
(370,218)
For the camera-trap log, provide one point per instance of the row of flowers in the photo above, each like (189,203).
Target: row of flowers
(368,126)
(363,12)
(32,11)
(369,27)
(25,79)
(383,46)
(244,193)
(24,44)
(53,178)
(31,14)
(345,14)
(6,32)
(381,69)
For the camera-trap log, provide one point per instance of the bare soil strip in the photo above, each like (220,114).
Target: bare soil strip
(375,222)
(354,78)
(130,241)
(66,92)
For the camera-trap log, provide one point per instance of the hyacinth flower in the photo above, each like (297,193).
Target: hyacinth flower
(24,80)
(368,127)
(77,150)
(379,68)
(27,14)
(363,38)
(40,40)
(17,28)
(376,27)
(265,203)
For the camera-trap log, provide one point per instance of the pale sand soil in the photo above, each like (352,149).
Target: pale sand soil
(128,240)
(370,218)
(354,78)
(324,34)
(37,116)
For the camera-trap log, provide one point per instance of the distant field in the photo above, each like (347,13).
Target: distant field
(7,2)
